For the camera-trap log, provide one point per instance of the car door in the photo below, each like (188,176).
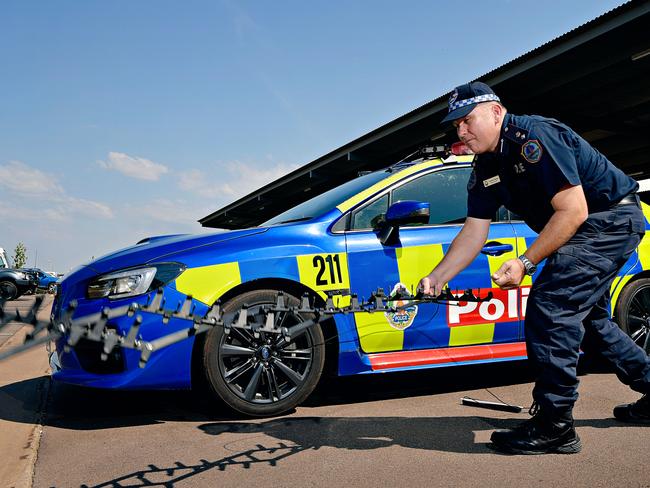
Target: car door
(419,249)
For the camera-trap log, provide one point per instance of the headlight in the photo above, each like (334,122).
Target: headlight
(134,281)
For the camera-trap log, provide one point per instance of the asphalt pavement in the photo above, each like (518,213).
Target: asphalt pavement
(24,383)
(402,429)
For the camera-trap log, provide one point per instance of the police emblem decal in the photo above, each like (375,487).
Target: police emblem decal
(453,97)
(532,151)
(403,318)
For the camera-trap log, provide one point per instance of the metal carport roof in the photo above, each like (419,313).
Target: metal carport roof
(595,78)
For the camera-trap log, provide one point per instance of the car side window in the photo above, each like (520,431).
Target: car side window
(368,216)
(445,190)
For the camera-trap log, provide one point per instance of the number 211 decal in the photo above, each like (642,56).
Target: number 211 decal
(328,267)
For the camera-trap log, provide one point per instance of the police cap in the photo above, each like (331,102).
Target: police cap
(465,97)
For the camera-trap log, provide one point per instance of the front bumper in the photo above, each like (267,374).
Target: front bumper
(168,368)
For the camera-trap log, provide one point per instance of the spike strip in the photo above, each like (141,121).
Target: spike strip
(256,319)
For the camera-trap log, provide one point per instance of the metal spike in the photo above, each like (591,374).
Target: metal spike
(132,335)
(446,295)
(304,302)
(186,311)
(379,302)
(133,308)
(270,322)
(242,318)
(97,328)
(467,296)
(214,312)
(147,349)
(154,302)
(110,341)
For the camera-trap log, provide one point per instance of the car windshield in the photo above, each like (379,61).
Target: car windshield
(325,202)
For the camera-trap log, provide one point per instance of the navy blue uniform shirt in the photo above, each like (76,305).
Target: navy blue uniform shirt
(537,157)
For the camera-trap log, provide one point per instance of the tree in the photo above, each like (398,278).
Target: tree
(20,255)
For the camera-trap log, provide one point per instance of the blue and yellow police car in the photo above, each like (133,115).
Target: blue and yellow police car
(331,244)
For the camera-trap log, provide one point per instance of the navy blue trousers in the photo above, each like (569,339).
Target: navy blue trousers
(570,300)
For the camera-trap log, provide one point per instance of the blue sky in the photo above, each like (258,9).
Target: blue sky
(127,118)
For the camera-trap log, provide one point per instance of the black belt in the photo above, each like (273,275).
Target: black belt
(631,199)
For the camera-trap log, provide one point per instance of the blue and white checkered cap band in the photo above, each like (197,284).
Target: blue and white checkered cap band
(489,97)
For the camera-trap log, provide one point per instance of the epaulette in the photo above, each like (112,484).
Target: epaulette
(515,134)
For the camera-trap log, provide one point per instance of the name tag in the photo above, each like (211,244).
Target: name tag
(491,181)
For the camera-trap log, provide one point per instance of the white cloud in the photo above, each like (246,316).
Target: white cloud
(88,208)
(237,180)
(41,197)
(177,211)
(20,178)
(140,168)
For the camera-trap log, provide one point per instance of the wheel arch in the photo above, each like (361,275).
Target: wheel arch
(294,288)
(633,279)
(10,279)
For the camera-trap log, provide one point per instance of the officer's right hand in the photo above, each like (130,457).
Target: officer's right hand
(431,285)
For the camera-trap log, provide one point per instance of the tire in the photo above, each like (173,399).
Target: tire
(238,371)
(633,312)
(8,290)
(51,288)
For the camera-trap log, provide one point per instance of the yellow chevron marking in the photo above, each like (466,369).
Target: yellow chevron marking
(415,262)
(619,284)
(471,334)
(208,283)
(375,332)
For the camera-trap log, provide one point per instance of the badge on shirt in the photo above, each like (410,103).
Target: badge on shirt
(491,181)
(532,151)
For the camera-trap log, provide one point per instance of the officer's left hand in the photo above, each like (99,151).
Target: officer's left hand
(510,274)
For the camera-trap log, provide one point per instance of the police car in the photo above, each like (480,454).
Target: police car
(335,243)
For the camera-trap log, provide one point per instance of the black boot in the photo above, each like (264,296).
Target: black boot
(546,432)
(637,412)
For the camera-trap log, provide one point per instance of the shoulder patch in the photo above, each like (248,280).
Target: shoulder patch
(515,134)
(532,151)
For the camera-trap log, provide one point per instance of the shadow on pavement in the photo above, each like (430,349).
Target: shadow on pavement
(79,408)
(292,436)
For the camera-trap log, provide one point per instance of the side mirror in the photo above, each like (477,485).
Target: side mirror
(402,213)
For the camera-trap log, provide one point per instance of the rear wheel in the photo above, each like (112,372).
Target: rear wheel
(633,312)
(263,376)
(8,290)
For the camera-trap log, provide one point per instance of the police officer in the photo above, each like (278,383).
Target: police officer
(587,215)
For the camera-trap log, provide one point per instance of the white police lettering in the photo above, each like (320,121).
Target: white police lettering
(506,306)
(519,168)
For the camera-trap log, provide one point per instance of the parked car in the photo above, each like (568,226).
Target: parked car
(46,281)
(331,242)
(16,282)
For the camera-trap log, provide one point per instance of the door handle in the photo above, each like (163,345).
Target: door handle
(496,248)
